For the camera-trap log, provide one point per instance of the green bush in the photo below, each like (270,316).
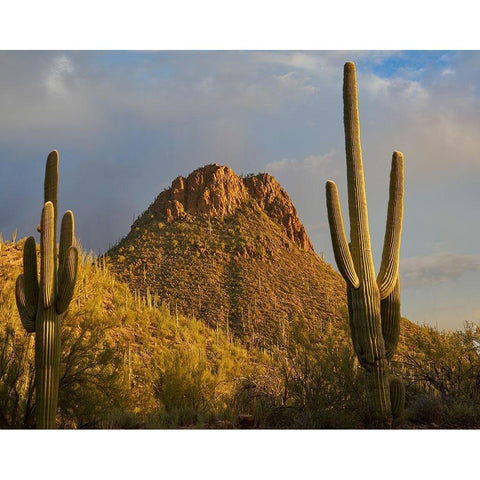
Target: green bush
(426,409)
(462,415)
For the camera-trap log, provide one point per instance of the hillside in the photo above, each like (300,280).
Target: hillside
(125,362)
(129,362)
(232,252)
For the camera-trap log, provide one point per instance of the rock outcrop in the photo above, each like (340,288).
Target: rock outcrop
(276,203)
(216,191)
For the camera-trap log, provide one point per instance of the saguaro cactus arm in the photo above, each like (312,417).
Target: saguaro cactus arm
(66,238)
(28,321)
(391,246)
(47,262)
(67,280)
(341,249)
(51,183)
(390,313)
(30,277)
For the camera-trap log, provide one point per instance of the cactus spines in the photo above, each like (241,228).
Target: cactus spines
(373,303)
(397,396)
(42,303)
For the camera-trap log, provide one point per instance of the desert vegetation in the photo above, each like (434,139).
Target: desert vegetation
(214,311)
(131,362)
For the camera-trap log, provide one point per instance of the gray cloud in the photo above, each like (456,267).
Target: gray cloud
(437,268)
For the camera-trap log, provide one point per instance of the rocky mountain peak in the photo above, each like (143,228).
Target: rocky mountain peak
(217,191)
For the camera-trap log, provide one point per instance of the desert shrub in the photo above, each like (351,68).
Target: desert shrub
(462,415)
(446,362)
(261,396)
(120,419)
(16,378)
(186,387)
(314,382)
(426,409)
(323,377)
(444,367)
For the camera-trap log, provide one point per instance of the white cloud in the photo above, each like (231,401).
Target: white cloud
(292,81)
(436,268)
(447,72)
(324,65)
(320,65)
(393,88)
(310,162)
(58,74)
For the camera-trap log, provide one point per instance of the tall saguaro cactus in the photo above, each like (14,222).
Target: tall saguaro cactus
(41,304)
(373,303)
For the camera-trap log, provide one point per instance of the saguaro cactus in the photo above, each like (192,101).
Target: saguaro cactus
(41,305)
(374,303)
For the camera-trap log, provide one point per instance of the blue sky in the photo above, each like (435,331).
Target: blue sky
(127,123)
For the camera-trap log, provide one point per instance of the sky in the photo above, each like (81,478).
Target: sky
(127,123)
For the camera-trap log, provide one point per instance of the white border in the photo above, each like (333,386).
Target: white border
(240,455)
(249,24)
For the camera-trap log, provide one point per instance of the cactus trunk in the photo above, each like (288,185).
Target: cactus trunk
(373,303)
(366,332)
(47,365)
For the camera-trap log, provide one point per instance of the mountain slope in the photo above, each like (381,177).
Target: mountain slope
(231,251)
(124,363)
(128,362)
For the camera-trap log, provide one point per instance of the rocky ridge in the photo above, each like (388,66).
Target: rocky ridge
(216,191)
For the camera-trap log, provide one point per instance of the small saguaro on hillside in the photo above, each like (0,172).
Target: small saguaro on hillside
(373,303)
(41,305)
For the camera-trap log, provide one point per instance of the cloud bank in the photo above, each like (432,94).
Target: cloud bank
(437,268)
